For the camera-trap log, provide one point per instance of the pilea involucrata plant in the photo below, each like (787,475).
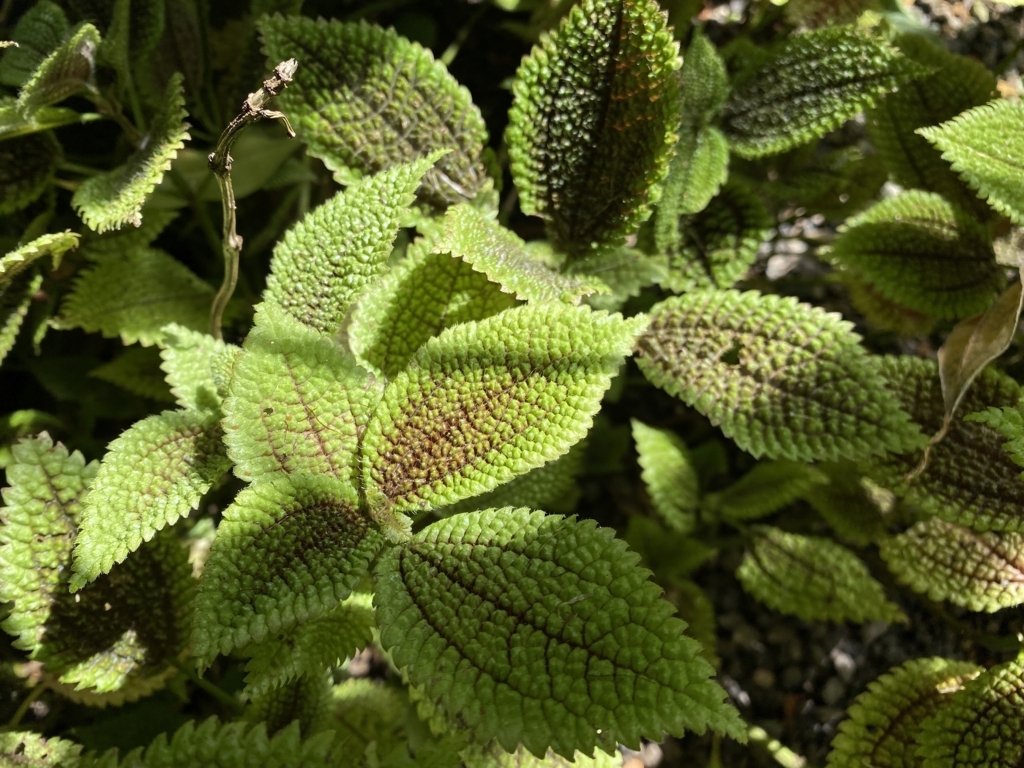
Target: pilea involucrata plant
(589,383)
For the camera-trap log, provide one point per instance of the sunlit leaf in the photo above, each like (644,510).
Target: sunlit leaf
(64,72)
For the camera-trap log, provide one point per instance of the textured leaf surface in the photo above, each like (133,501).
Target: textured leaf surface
(25,749)
(920,251)
(544,631)
(668,474)
(813,578)
(851,504)
(979,571)
(154,474)
(496,757)
(986,147)
(335,252)
(623,270)
(193,363)
(115,198)
(135,295)
(767,488)
(969,479)
(980,728)
(304,700)
(296,403)
(882,724)
(1009,423)
(38,32)
(487,401)
(808,85)
(15,300)
(593,121)
(135,370)
(27,164)
(64,72)
(54,245)
(782,379)
(287,550)
(366,99)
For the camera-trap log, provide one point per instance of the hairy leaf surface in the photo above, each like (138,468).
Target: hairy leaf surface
(781,378)
(55,245)
(365,99)
(487,401)
(15,301)
(27,164)
(196,366)
(39,31)
(668,474)
(543,631)
(624,271)
(14,124)
(1009,423)
(595,110)
(64,72)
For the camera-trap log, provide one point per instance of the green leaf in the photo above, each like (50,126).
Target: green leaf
(852,505)
(1009,423)
(135,28)
(296,403)
(969,479)
(365,99)
(979,571)
(154,474)
(883,722)
(918,250)
(305,700)
(496,757)
(978,728)
(144,603)
(112,199)
(624,271)
(194,364)
(813,578)
(288,550)
(337,251)
(63,73)
(669,475)
(542,630)
(55,245)
(27,164)
(39,31)
(882,313)
(487,401)
(15,300)
(14,124)
(135,370)
(985,147)
(593,121)
(25,749)
(808,85)
(767,488)
(781,378)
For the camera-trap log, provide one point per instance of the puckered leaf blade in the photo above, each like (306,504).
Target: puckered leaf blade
(196,366)
(669,475)
(1009,423)
(487,401)
(543,631)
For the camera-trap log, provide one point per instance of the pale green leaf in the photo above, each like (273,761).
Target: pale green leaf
(808,85)
(979,571)
(624,271)
(39,31)
(542,631)
(496,757)
(154,474)
(296,403)
(365,99)
(882,723)
(15,300)
(64,72)
(135,370)
(781,378)
(288,550)
(668,474)
(55,245)
(114,198)
(25,749)
(596,106)
(193,363)
(27,164)
(14,124)
(490,400)
(767,488)
(813,578)
(338,250)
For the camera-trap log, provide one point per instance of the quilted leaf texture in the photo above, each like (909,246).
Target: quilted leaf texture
(767,488)
(979,571)
(595,110)
(296,403)
(985,145)
(812,578)
(1009,423)
(288,549)
(808,85)
(54,245)
(115,198)
(196,366)
(970,478)
(980,727)
(921,252)
(336,251)
(65,71)
(366,99)
(623,270)
(542,631)
(304,700)
(882,725)
(154,474)
(144,602)
(669,475)
(487,401)
(27,163)
(781,378)
(26,749)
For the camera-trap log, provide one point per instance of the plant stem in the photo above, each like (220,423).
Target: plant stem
(229,702)
(254,108)
(19,713)
(783,755)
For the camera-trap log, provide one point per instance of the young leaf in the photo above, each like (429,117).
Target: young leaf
(882,725)
(920,251)
(15,300)
(781,378)
(296,403)
(135,295)
(808,85)
(595,110)
(985,145)
(669,475)
(979,571)
(64,72)
(487,401)
(152,475)
(25,749)
(813,578)
(366,99)
(767,488)
(338,250)
(39,31)
(288,549)
(27,164)
(193,363)
(112,199)
(505,621)
(55,245)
